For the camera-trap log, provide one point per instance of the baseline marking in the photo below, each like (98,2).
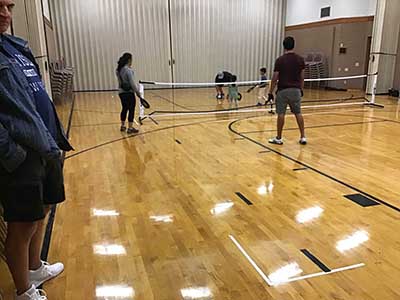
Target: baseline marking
(272,283)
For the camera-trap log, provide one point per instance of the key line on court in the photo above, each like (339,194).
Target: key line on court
(289,280)
(230,127)
(252,262)
(352,267)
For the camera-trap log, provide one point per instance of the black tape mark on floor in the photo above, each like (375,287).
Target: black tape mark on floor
(309,167)
(244,199)
(179,142)
(361,200)
(315,260)
(300,169)
(239,139)
(266,151)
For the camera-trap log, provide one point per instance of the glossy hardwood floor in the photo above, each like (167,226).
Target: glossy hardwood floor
(155,216)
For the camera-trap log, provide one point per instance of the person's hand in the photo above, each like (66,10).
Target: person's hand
(302,93)
(270,97)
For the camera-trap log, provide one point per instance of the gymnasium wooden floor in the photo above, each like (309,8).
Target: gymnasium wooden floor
(178,211)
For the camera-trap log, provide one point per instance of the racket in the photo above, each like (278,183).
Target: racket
(240,96)
(250,89)
(144,103)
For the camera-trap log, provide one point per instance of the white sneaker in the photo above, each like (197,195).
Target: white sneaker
(32,294)
(45,273)
(303,141)
(276,141)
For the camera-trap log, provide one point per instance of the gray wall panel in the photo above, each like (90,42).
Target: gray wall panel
(235,35)
(92,34)
(207,35)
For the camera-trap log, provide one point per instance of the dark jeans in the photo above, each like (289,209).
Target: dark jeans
(128,101)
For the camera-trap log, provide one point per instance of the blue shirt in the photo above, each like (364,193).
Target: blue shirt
(42,100)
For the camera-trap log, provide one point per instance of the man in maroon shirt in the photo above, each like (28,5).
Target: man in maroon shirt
(289,74)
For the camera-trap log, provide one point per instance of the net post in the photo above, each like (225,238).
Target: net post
(141,107)
(374,87)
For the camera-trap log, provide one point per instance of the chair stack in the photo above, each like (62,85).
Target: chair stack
(61,78)
(316,68)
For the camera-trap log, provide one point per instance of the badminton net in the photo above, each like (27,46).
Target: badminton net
(186,99)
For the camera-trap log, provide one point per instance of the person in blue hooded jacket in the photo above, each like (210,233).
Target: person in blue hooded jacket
(31,174)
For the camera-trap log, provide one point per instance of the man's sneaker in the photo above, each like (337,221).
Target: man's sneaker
(303,141)
(45,273)
(132,131)
(123,128)
(275,141)
(259,104)
(32,294)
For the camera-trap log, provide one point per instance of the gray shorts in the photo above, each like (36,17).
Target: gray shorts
(291,97)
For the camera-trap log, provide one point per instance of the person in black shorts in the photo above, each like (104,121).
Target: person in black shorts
(222,77)
(31,176)
(289,74)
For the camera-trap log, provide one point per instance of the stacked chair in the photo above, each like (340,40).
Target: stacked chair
(316,68)
(61,78)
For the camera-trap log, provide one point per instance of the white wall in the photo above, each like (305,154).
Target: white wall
(307,11)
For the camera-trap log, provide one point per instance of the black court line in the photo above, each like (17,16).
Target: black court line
(315,260)
(135,135)
(245,200)
(317,126)
(49,227)
(170,101)
(361,200)
(300,169)
(154,121)
(310,167)
(179,142)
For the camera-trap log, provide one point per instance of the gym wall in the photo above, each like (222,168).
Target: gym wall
(327,37)
(396,81)
(205,36)
(28,23)
(307,11)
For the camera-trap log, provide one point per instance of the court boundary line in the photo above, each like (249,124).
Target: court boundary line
(348,185)
(289,280)
(318,126)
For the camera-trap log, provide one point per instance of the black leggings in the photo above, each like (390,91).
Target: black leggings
(128,101)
